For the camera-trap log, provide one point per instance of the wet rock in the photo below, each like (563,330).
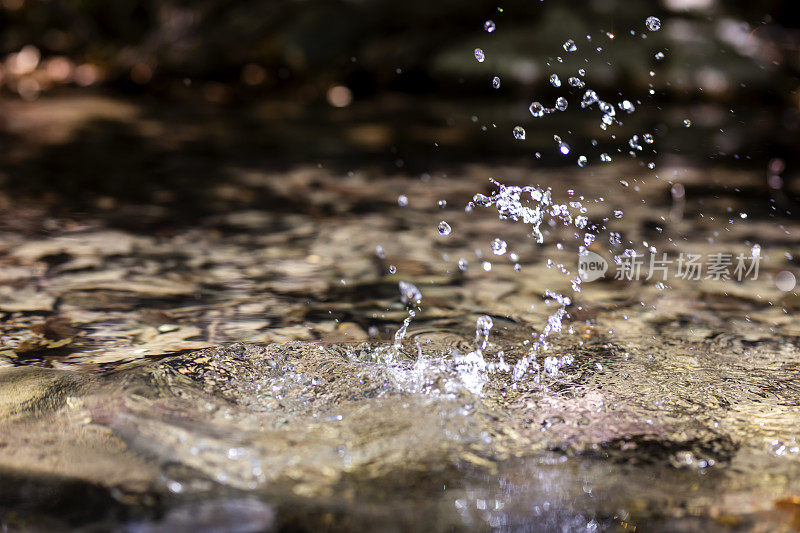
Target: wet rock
(31,391)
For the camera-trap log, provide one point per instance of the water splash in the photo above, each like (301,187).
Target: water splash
(520,204)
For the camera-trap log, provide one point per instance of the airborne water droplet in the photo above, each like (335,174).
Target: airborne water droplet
(479,55)
(499,246)
(489,26)
(536,109)
(576,82)
(482,200)
(626,105)
(582,161)
(519,133)
(561,103)
(496,82)
(606,108)
(605,157)
(409,293)
(444,228)
(659,56)
(687,123)
(653,23)
(555,81)
(569,46)
(402,200)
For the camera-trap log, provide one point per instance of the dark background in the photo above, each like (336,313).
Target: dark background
(382,84)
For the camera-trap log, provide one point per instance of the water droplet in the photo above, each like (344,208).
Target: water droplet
(581,72)
(489,26)
(582,161)
(462,264)
(484,323)
(785,281)
(392,269)
(402,200)
(442,203)
(519,133)
(444,228)
(648,138)
(581,221)
(487,266)
(605,157)
(536,109)
(479,55)
(496,82)
(687,123)
(627,106)
(482,200)
(563,148)
(380,252)
(589,98)
(499,247)
(561,103)
(409,293)
(576,82)
(569,46)
(653,23)
(555,81)
(660,56)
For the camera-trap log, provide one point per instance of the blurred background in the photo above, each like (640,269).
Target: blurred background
(149,101)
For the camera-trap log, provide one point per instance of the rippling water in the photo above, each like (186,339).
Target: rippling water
(676,406)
